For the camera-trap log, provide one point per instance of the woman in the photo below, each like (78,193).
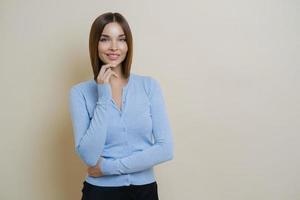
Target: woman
(121,128)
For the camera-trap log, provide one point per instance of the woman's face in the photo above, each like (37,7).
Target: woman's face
(112,45)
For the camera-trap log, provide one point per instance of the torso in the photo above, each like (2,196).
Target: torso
(117,93)
(117,96)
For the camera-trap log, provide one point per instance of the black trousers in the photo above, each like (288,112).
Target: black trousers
(131,192)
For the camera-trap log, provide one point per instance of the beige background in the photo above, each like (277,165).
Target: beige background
(230,76)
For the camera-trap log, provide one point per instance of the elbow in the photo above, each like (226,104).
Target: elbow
(169,152)
(170,155)
(84,157)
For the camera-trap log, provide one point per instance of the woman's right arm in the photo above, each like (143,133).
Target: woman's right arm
(90,134)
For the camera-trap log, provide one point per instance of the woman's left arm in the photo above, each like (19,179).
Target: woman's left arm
(159,152)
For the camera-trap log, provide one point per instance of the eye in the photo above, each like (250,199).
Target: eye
(123,39)
(103,40)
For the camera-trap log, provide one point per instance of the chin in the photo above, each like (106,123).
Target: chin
(106,61)
(115,62)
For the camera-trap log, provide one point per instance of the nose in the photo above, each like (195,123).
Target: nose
(113,45)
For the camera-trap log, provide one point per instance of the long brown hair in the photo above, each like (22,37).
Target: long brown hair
(95,33)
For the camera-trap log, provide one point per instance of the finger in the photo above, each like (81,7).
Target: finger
(110,74)
(91,170)
(106,75)
(115,74)
(104,69)
(91,173)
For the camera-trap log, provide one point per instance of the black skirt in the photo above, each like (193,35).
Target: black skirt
(131,192)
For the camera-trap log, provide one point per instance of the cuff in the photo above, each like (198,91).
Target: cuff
(109,166)
(104,91)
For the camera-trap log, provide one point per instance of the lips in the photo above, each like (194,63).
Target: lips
(113,56)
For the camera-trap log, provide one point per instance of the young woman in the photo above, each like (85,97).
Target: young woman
(121,128)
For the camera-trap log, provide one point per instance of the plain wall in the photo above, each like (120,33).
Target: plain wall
(229,71)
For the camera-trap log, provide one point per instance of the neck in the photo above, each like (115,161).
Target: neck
(115,80)
(117,70)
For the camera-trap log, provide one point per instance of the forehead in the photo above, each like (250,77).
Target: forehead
(113,29)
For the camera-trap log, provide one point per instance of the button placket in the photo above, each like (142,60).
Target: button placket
(124,131)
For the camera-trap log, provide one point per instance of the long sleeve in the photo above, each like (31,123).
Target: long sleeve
(89,134)
(160,151)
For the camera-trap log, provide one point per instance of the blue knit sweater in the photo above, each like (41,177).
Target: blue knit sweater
(128,142)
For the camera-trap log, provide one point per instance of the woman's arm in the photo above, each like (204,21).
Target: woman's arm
(160,152)
(89,134)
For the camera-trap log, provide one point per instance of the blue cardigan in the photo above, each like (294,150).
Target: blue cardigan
(128,142)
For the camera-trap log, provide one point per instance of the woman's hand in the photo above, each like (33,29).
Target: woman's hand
(105,74)
(95,171)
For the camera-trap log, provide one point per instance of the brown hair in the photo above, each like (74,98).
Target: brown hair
(95,33)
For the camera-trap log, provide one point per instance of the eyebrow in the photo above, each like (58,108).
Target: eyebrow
(104,35)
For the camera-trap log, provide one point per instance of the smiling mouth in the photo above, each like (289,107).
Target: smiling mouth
(113,56)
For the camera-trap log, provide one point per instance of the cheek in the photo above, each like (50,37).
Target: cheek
(100,50)
(102,47)
(100,53)
(124,48)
